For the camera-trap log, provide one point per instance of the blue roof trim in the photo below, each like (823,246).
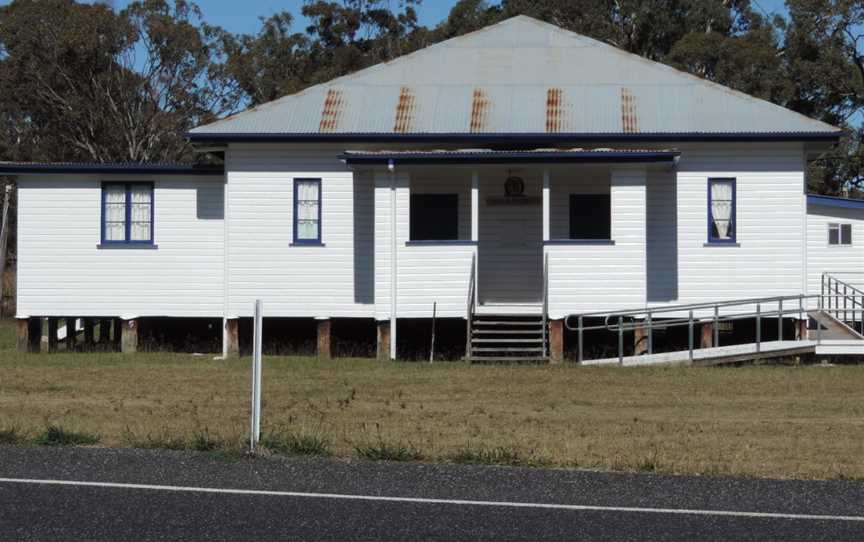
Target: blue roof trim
(140,169)
(504,157)
(833,201)
(507,137)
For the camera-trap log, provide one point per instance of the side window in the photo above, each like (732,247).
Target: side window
(307,211)
(127,213)
(721,211)
(434,217)
(839,234)
(590,216)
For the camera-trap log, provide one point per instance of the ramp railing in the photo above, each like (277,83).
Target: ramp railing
(645,320)
(843,300)
(545,305)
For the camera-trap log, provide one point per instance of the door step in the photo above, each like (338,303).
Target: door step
(508,337)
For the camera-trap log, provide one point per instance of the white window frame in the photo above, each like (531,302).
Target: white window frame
(839,227)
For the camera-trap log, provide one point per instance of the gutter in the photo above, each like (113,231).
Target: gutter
(523,138)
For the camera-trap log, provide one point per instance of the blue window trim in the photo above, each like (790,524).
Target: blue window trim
(128,242)
(308,242)
(733,219)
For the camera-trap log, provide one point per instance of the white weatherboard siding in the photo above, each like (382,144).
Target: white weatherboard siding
(62,272)
(333,280)
(662,232)
(768,260)
(426,274)
(588,278)
(845,262)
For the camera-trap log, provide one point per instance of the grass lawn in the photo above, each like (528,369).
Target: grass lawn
(784,422)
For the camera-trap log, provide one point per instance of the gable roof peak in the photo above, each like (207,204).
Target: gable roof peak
(520,75)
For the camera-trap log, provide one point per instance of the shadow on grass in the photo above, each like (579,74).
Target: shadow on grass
(55,435)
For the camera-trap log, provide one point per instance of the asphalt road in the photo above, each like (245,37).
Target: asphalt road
(53,494)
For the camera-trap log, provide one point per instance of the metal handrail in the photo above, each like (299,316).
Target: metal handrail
(648,325)
(545,303)
(851,295)
(691,306)
(472,303)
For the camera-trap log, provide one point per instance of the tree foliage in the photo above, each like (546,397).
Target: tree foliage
(86,82)
(83,82)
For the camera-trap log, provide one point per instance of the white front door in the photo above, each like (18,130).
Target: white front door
(510,243)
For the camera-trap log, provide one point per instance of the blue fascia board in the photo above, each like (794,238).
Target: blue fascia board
(833,201)
(528,137)
(512,157)
(129,169)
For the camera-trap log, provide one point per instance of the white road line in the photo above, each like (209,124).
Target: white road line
(421,500)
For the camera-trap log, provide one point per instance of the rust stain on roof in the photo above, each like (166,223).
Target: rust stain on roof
(405,111)
(629,122)
(556,111)
(480,105)
(331,113)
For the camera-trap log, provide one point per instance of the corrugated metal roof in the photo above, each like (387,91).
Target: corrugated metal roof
(510,156)
(520,76)
(149,168)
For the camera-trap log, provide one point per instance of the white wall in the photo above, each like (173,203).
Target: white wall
(333,280)
(768,260)
(426,274)
(659,256)
(591,277)
(845,262)
(62,272)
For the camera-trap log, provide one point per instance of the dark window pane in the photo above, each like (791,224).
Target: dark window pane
(833,234)
(590,216)
(434,217)
(846,234)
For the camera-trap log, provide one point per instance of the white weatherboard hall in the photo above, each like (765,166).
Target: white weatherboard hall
(511,178)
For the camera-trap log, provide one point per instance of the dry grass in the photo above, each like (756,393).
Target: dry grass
(803,422)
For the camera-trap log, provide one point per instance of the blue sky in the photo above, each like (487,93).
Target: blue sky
(242,17)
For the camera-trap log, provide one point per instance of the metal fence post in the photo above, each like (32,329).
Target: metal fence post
(716,329)
(650,334)
(801,318)
(621,340)
(256,375)
(780,320)
(845,298)
(580,338)
(820,306)
(690,334)
(758,327)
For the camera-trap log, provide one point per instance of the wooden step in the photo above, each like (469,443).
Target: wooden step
(511,358)
(507,331)
(534,323)
(498,341)
(506,349)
